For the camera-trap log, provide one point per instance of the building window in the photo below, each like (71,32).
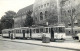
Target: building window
(47,4)
(44,5)
(41,16)
(46,14)
(41,6)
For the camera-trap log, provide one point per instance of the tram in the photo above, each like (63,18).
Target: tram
(37,32)
(59,32)
(6,33)
(55,32)
(22,32)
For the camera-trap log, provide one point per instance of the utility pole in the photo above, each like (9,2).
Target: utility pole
(58,12)
(21,21)
(72,21)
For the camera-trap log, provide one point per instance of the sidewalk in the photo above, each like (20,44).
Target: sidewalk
(63,45)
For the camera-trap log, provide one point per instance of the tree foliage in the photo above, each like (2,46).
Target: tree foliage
(29,19)
(7,20)
(52,17)
(0,28)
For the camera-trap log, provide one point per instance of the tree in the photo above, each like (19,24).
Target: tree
(10,14)
(29,19)
(0,28)
(7,20)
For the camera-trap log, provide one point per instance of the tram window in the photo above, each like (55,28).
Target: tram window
(49,30)
(69,32)
(33,30)
(4,32)
(56,29)
(16,31)
(61,29)
(78,31)
(27,31)
(20,31)
(41,30)
(46,30)
(11,31)
(75,32)
(37,30)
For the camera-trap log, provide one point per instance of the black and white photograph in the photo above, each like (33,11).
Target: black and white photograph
(39,25)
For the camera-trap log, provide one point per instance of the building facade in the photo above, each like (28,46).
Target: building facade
(71,9)
(49,12)
(19,19)
(53,11)
(44,10)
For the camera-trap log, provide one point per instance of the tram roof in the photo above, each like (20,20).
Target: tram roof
(6,29)
(21,28)
(24,27)
(16,28)
(73,28)
(58,26)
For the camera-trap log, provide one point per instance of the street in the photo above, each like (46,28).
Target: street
(7,45)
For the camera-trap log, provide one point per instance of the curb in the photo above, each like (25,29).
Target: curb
(43,45)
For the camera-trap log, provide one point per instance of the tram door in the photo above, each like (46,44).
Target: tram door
(23,33)
(9,34)
(30,33)
(52,34)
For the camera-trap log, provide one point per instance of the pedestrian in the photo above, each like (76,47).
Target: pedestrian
(11,36)
(28,33)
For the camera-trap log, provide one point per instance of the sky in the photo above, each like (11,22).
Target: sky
(13,5)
